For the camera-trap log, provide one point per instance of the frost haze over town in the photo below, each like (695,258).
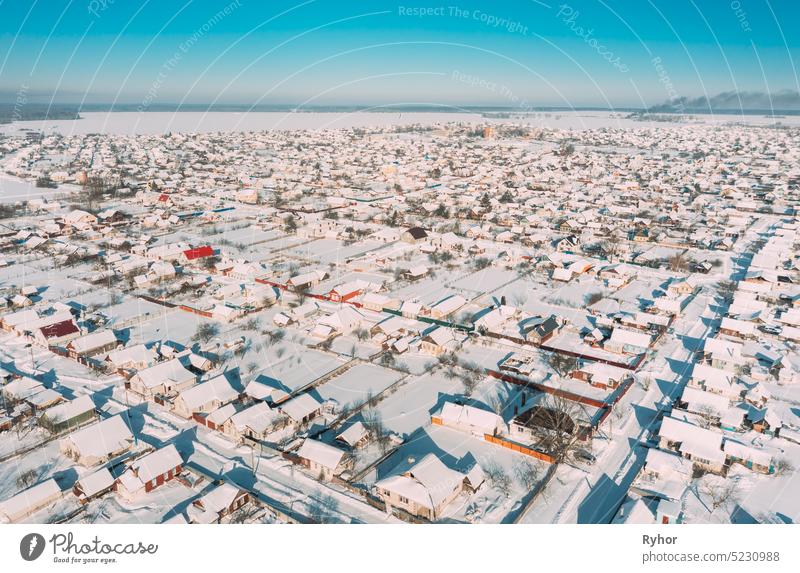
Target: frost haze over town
(389,318)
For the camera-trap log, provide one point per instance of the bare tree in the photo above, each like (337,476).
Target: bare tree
(556,427)
(245,514)
(374,425)
(678,262)
(470,380)
(527,473)
(708,416)
(497,476)
(27,478)
(273,336)
(783,466)
(726,289)
(562,363)
(206,331)
(721,493)
(324,509)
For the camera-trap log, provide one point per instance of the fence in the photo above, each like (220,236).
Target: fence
(547,389)
(197,311)
(519,448)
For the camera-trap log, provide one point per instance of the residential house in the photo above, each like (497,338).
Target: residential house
(68,415)
(700,445)
(164,379)
(57,333)
(427,487)
(92,344)
(93,485)
(205,397)
(150,472)
(324,460)
(625,341)
(99,442)
(470,420)
(539,329)
(218,503)
(29,501)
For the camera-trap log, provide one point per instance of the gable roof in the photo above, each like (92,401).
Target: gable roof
(321,453)
(427,483)
(157,463)
(217,388)
(198,253)
(300,406)
(59,329)
(169,372)
(417,232)
(98,440)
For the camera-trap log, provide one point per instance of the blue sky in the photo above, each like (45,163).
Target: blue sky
(515,53)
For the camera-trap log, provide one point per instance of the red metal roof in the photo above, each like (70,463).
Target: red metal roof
(198,253)
(59,329)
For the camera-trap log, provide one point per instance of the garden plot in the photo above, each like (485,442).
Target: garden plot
(412,405)
(486,356)
(430,289)
(66,289)
(16,190)
(325,251)
(338,278)
(169,324)
(34,467)
(639,290)
(353,347)
(265,251)
(134,310)
(658,253)
(577,293)
(357,385)
(299,367)
(485,280)
(245,236)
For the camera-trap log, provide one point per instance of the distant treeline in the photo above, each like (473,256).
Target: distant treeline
(10,112)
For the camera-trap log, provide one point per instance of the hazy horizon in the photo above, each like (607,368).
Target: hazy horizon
(316,53)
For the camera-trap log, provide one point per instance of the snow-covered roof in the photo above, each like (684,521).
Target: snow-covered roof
(92,341)
(630,338)
(171,372)
(427,483)
(321,453)
(219,498)
(96,482)
(30,498)
(157,463)
(98,440)
(138,353)
(299,407)
(217,388)
(354,434)
(694,440)
(257,417)
(481,420)
(70,410)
